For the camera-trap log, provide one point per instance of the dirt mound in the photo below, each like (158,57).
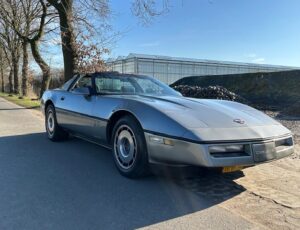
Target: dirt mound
(275,89)
(211,92)
(292,110)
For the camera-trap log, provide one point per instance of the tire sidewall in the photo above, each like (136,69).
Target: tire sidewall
(50,108)
(141,162)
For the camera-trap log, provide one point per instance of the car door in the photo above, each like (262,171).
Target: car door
(74,108)
(106,102)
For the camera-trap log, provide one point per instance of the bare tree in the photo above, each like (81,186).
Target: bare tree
(3,66)
(24,22)
(32,17)
(146,10)
(65,12)
(28,15)
(68,11)
(11,44)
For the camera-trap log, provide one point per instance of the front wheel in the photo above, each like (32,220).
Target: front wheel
(54,132)
(129,148)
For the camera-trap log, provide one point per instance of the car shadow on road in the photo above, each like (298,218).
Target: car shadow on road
(206,183)
(75,185)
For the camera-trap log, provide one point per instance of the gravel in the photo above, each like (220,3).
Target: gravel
(293,124)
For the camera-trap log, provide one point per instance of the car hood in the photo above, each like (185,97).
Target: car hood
(201,113)
(218,120)
(210,120)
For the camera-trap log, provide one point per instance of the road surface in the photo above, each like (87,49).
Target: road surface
(75,185)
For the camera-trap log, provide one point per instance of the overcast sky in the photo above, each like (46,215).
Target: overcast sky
(258,31)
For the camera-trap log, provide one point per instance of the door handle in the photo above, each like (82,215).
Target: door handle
(62,98)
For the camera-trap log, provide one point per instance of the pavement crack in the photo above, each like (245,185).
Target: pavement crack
(272,200)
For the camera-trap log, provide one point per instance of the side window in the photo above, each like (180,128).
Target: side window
(104,84)
(113,85)
(85,81)
(67,84)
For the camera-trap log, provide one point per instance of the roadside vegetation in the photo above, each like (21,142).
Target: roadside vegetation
(25,102)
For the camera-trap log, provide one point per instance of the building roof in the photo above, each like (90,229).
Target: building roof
(194,60)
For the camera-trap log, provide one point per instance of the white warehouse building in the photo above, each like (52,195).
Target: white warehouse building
(170,69)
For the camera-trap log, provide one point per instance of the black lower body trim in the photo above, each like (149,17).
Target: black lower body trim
(81,114)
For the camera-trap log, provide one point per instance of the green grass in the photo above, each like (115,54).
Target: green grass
(24,102)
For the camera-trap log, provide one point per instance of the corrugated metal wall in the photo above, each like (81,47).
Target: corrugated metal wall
(171,70)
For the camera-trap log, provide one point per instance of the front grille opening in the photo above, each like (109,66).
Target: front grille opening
(283,143)
(223,151)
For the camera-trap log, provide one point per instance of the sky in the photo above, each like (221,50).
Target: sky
(255,31)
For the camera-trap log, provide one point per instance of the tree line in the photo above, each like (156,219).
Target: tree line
(26,24)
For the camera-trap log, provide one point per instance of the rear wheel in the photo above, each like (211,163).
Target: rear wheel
(54,132)
(129,148)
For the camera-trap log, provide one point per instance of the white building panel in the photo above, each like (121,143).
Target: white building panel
(171,69)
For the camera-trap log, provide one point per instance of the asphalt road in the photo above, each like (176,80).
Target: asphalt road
(75,185)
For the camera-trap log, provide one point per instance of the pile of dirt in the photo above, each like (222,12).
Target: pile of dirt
(211,92)
(292,110)
(273,89)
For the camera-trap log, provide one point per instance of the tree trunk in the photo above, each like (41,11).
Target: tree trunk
(2,78)
(2,69)
(43,66)
(68,39)
(10,81)
(25,68)
(15,64)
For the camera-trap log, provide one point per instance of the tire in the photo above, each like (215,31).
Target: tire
(54,132)
(129,148)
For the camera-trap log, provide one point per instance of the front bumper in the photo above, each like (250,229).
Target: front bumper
(182,152)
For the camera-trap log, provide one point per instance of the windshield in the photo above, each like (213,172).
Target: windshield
(131,84)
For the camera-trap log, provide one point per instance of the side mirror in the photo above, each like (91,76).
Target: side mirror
(85,91)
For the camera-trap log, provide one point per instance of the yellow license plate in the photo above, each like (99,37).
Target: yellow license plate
(231,169)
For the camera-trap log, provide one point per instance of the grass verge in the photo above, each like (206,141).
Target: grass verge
(25,102)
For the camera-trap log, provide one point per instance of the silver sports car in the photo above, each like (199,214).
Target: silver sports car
(144,121)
